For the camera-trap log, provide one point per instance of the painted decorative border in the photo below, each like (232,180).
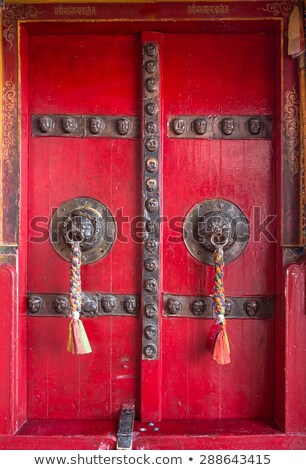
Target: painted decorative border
(9,123)
(291,130)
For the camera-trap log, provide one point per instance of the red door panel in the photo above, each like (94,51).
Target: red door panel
(90,74)
(210,75)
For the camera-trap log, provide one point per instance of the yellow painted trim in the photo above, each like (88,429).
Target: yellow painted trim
(128,1)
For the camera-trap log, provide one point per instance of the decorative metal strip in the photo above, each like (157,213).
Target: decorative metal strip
(66,125)
(93,305)
(125,429)
(220,127)
(202,307)
(151,195)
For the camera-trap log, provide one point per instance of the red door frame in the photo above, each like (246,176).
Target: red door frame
(18,22)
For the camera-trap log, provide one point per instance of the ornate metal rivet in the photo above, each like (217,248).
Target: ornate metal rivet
(151,127)
(227,126)
(151,145)
(96,125)
(109,303)
(228,307)
(151,310)
(151,264)
(150,285)
(45,124)
(151,227)
(198,307)
(200,126)
(35,304)
(174,306)
(254,125)
(152,204)
(152,165)
(151,66)
(151,109)
(151,85)
(151,184)
(123,126)
(89,306)
(179,126)
(150,331)
(251,308)
(151,49)
(69,124)
(61,304)
(151,245)
(150,351)
(130,304)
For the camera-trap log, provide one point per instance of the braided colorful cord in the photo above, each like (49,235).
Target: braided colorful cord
(75,281)
(219,305)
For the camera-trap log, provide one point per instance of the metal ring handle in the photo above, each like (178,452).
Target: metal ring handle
(218,244)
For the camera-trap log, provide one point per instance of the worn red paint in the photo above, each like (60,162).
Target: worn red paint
(195,403)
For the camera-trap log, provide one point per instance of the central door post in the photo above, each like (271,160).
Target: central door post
(151,138)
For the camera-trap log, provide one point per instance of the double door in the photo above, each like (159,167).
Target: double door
(153,126)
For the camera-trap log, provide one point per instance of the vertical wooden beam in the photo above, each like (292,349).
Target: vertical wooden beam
(152,209)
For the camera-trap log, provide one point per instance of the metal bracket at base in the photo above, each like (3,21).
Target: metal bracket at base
(125,429)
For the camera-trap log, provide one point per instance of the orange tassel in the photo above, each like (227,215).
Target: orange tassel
(221,349)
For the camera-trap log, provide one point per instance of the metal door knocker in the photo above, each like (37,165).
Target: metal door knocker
(87,222)
(216,223)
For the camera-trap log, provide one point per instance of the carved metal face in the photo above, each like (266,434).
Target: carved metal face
(96,125)
(123,126)
(79,229)
(61,304)
(200,126)
(69,124)
(151,310)
(151,49)
(150,285)
(151,84)
(150,331)
(151,245)
(108,303)
(198,307)
(227,126)
(130,304)
(151,109)
(179,126)
(254,126)
(89,305)
(151,226)
(251,307)
(151,145)
(151,66)
(151,127)
(151,264)
(150,351)
(35,304)
(45,124)
(228,307)
(152,165)
(152,204)
(151,184)
(174,306)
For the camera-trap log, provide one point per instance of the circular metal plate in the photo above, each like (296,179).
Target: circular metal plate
(197,229)
(93,209)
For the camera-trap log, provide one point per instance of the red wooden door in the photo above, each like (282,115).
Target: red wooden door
(84,75)
(201,75)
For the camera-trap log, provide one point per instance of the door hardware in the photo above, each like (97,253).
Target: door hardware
(220,219)
(86,221)
(220,127)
